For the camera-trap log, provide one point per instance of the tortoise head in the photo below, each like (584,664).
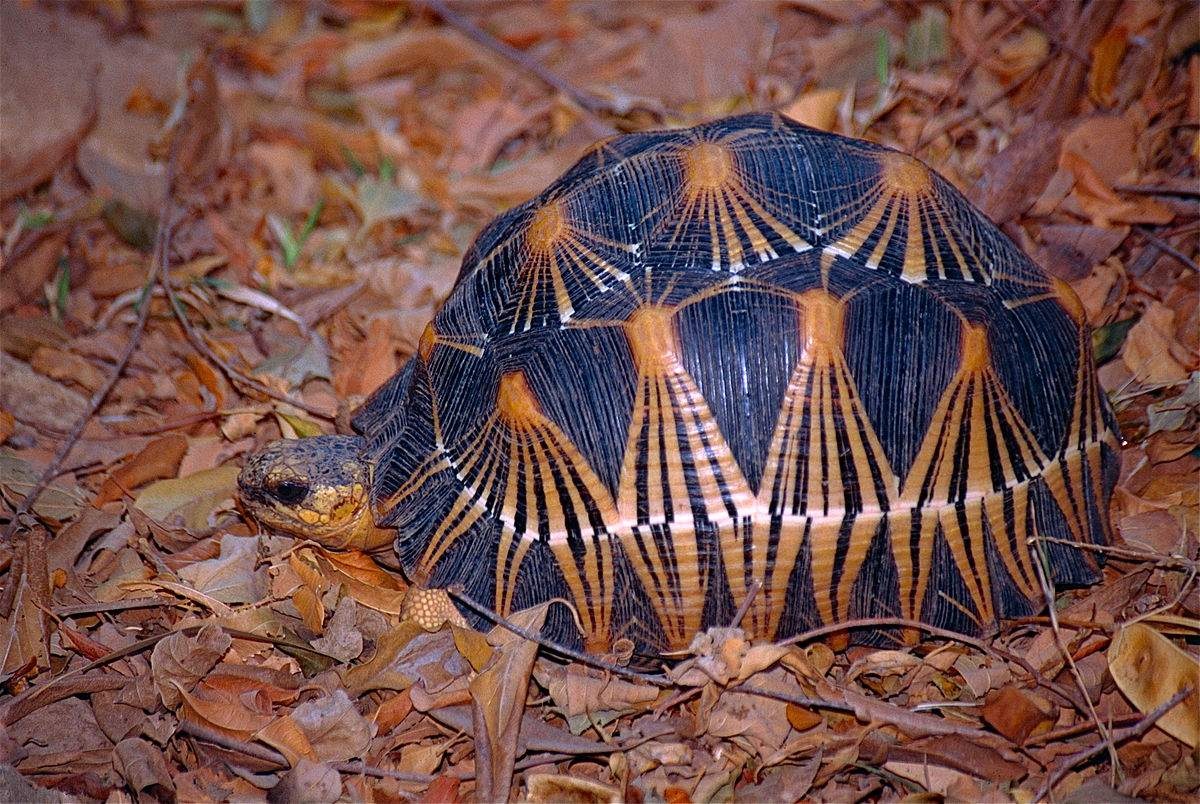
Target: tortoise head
(316,488)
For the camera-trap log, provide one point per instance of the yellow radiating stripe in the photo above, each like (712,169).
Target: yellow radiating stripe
(849,243)
(915,268)
(448,532)
(864,445)
(969,547)
(885,239)
(790,237)
(833,600)
(1010,539)
(733,244)
(907,539)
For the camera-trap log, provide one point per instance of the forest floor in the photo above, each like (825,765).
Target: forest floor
(291,187)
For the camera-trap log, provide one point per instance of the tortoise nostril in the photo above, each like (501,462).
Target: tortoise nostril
(289,492)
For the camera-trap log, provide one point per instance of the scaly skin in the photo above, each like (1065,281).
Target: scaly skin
(315,488)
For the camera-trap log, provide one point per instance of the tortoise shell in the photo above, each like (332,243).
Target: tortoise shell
(746,360)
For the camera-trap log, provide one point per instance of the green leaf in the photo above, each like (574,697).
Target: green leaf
(925,39)
(292,243)
(1107,340)
(883,58)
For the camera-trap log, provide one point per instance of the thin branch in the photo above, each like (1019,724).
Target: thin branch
(1060,642)
(1109,743)
(589,103)
(1167,248)
(570,653)
(158,261)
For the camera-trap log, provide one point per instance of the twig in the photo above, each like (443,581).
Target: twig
(1160,560)
(1167,248)
(590,104)
(570,653)
(235,376)
(1048,592)
(933,630)
(1158,189)
(158,260)
(1072,731)
(120,605)
(1110,742)
(745,607)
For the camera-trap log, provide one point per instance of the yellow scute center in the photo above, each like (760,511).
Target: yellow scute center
(546,228)
(975,348)
(707,166)
(823,317)
(515,400)
(651,335)
(903,174)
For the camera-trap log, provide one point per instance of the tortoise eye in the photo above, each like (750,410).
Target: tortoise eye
(289,492)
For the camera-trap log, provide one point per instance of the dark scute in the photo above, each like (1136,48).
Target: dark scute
(1069,565)
(903,347)
(1035,351)
(948,602)
(386,408)
(464,388)
(800,602)
(398,453)
(584,382)
(740,347)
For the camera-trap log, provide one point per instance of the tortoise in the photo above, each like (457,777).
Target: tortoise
(744,368)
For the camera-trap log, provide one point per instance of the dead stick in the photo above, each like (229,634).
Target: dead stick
(1165,247)
(157,260)
(592,105)
(1118,736)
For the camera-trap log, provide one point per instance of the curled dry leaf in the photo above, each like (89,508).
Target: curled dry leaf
(545,788)
(143,767)
(1150,669)
(307,783)
(498,702)
(179,661)
(334,727)
(579,690)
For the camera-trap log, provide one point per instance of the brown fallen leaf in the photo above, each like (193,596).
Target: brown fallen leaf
(1150,669)
(193,500)
(341,639)
(498,703)
(1018,713)
(157,460)
(232,577)
(1150,347)
(48,60)
(817,108)
(307,783)
(545,788)
(579,690)
(334,727)
(144,769)
(181,661)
